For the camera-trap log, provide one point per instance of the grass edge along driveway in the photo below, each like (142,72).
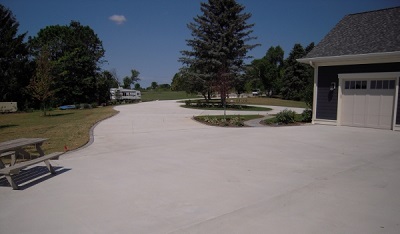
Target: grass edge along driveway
(64,128)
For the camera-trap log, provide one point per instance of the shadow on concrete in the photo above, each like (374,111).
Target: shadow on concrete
(32,176)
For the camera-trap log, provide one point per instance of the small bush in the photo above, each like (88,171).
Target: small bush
(286,116)
(219,121)
(306,116)
(237,121)
(188,102)
(224,122)
(86,106)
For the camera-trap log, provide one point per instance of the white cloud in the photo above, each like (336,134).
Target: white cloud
(118,19)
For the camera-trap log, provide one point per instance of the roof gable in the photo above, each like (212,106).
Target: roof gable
(362,33)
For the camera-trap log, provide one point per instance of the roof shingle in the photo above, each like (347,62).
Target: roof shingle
(362,33)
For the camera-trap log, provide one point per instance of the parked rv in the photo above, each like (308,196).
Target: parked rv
(8,107)
(120,94)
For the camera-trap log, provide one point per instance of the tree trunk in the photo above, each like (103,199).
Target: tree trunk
(44,109)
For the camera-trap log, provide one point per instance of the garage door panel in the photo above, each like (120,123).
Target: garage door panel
(374,109)
(385,122)
(359,109)
(387,105)
(348,107)
(367,107)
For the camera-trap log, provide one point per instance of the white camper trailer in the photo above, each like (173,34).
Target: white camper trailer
(121,94)
(7,107)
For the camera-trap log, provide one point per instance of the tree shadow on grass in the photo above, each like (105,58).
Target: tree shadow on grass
(32,176)
(8,126)
(59,114)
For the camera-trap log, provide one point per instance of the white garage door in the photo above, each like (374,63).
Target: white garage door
(368,103)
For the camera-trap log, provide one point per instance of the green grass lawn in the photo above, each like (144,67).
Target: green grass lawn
(165,95)
(68,127)
(268,102)
(244,108)
(172,95)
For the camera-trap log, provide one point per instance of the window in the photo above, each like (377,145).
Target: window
(355,84)
(347,85)
(373,84)
(383,84)
(392,84)
(364,84)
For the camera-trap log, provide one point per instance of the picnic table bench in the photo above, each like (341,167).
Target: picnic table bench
(16,147)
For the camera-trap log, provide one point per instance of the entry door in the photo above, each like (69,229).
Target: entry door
(368,103)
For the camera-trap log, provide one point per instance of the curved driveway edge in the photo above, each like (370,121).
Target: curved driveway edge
(152,169)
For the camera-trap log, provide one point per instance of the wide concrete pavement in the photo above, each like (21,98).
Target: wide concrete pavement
(152,169)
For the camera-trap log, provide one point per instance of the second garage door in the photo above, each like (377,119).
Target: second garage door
(368,103)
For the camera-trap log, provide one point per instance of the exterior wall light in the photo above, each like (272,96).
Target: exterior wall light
(333,86)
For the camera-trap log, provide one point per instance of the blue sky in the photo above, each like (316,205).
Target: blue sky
(154,31)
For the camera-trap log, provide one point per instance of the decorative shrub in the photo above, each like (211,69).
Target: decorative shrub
(236,121)
(306,116)
(86,106)
(286,116)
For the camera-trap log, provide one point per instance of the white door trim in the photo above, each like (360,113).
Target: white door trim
(368,76)
(315,87)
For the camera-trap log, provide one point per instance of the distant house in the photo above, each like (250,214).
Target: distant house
(357,70)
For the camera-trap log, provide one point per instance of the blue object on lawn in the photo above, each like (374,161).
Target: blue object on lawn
(67,107)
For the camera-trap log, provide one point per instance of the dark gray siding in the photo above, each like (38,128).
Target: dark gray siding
(327,100)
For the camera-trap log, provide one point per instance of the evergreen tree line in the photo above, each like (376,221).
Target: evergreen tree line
(272,74)
(285,77)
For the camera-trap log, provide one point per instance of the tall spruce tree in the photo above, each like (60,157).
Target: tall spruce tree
(219,45)
(297,76)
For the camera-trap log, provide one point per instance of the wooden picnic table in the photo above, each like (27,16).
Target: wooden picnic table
(17,147)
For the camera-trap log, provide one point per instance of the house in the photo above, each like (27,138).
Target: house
(357,70)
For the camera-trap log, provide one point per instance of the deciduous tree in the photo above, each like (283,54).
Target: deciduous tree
(178,82)
(76,52)
(154,85)
(41,86)
(130,80)
(268,70)
(105,81)
(137,86)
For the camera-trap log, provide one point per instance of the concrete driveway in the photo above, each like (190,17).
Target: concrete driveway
(152,169)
